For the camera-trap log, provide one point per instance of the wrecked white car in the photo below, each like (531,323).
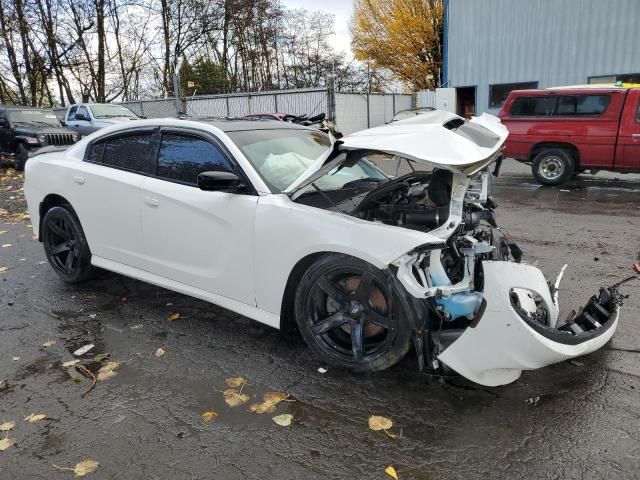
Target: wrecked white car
(286,226)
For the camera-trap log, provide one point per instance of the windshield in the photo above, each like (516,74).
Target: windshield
(281,155)
(111,111)
(38,117)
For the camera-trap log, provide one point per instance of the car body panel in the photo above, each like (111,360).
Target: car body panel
(502,345)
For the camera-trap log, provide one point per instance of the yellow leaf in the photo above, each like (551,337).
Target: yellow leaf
(85,467)
(391,472)
(209,416)
(70,363)
(6,443)
(3,269)
(33,418)
(6,245)
(235,382)
(6,426)
(160,352)
(270,400)
(108,371)
(234,398)
(377,423)
(49,343)
(174,316)
(3,231)
(283,420)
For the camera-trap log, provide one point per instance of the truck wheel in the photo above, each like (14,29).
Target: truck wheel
(553,166)
(21,157)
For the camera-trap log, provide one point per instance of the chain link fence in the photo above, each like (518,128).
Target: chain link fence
(351,111)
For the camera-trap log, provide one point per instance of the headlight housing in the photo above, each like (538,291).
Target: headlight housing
(33,140)
(42,138)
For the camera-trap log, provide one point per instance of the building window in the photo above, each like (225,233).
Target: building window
(499,93)
(611,79)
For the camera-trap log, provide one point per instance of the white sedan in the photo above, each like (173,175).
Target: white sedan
(286,226)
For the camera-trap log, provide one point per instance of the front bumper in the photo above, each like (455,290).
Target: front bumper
(503,343)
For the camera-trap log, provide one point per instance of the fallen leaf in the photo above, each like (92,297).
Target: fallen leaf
(270,400)
(70,363)
(108,371)
(33,418)
(85,467)
(5,245)
(322,370)
(391,472)
(49,343)
(209,416)
(6,426)
(15,359)
(235,382)
(160,352)
(6,443)
(101,357)
(174,316)
(234,398)
(3,231)
(3,269)
(377,423)
(283,420)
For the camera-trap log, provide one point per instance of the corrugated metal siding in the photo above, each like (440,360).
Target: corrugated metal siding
(553,42)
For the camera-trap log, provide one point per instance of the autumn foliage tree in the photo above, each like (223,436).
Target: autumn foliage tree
(402,36)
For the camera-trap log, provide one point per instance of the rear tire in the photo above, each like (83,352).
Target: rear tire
(553,166)
(22,154)
(65,245)
(349,316)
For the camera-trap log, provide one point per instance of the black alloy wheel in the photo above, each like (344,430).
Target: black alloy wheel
(22,155)
(65,245)
(348,315)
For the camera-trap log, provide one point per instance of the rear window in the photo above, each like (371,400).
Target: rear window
(560,106)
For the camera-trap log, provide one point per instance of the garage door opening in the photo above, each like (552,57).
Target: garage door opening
(466,101)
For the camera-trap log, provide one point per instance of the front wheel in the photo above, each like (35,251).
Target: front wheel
(553,166)
(65,245)
(349,315)
(22,154)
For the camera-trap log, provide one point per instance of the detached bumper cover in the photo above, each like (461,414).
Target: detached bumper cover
(503,343)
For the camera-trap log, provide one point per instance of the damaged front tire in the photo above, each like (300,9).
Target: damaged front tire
(350,316)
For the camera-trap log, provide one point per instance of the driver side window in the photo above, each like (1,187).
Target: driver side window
(83,111)
(182,157)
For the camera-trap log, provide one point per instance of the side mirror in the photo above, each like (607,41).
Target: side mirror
(142,117)
(220,182)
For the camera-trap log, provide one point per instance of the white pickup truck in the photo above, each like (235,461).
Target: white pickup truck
(86,118)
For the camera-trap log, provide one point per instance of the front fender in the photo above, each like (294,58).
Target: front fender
(286,232)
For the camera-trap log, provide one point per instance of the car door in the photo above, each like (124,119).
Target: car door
(82,122)
(107,197)
(203,239)
(628,151)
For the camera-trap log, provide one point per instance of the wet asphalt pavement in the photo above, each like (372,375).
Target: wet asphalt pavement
(578,419)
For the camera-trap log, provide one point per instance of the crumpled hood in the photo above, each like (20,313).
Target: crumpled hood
(438,138)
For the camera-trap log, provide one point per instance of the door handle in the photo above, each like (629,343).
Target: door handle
(635,135)
(78,179)
(152,202)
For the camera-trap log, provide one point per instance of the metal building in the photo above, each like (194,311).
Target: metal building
(494,46)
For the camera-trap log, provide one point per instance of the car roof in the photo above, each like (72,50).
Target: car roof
(580,89)
(20,107)
(238,125)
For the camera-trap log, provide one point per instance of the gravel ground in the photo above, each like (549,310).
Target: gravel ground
(578,419)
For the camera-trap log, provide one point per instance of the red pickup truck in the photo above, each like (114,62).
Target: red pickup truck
(569,130)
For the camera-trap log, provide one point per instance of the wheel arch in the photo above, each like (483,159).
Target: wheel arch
(568,146)
(48,202)
(287,316)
